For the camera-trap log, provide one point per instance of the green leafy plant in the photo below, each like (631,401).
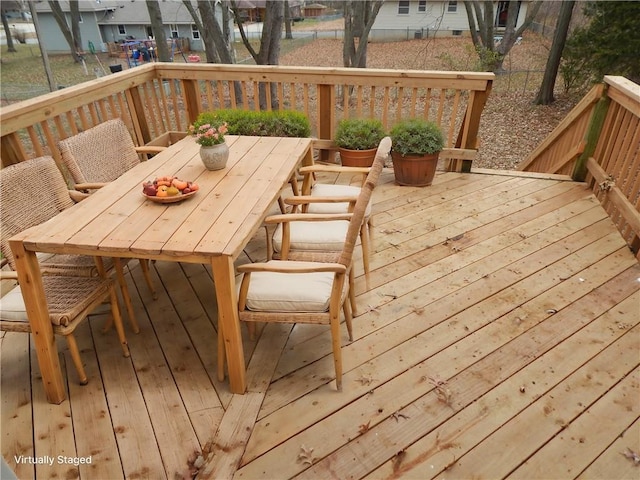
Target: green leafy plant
(416,137)
(359,133)
(260,123)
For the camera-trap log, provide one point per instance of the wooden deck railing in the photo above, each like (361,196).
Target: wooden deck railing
(599,142)
(162,97)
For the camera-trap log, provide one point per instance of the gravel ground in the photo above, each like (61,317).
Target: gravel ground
(511,126)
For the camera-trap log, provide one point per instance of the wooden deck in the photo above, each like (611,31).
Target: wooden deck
(498,338)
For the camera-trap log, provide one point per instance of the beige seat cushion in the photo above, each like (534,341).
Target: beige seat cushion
(328,190)
(12,306)
(289,292)
(316,236)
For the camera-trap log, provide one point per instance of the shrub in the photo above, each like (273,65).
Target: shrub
(416,137)
(260,123)
(359,133)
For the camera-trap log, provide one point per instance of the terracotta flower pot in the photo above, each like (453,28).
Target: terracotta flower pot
(357,158)
(414,170)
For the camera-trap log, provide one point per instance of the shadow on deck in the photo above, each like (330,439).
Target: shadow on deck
(497,337)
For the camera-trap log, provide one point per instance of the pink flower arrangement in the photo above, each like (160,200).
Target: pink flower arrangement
(208,135)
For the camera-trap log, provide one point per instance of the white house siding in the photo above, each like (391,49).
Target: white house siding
(436,20)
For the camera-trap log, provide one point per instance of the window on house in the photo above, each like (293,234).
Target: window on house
(452,7)
(122,30)
(422,6)
(403,7)
(174,30)
(195,33)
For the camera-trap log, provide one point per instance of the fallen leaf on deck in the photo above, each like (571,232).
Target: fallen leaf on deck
(305,456)
(633,456)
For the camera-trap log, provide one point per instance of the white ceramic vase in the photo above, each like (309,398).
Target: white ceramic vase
(215,157)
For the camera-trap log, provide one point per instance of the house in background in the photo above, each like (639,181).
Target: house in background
(253,10)
(105,22)
(425,18)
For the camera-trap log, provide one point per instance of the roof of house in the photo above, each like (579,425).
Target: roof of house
(127,12)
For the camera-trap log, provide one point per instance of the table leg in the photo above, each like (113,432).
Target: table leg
(41,329)
(224,279)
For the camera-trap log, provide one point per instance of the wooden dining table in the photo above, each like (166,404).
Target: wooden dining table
(211,227)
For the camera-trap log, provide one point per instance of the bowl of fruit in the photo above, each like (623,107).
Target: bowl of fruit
(168,189)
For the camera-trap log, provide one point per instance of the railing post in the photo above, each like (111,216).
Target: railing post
(136,107)
(468,133)
(11,149)
(592,136)
(191,99)
(325,116)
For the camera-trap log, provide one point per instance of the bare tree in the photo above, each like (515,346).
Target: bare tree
(61,19)
(359,16)
(7,32)
(287,21)
(545,94)
(157,27)
(269,53)
(492,53)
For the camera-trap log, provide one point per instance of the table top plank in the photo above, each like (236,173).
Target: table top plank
(218,220)
(58,230)
(254,199)
(217,191)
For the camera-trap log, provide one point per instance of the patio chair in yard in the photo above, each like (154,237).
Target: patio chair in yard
(31,193)
(313,287)
(98,156)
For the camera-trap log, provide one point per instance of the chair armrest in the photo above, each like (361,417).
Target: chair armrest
(150,149)
(282,266)
(89,186)
(306,217)
(333,169)
(77,196)
(306,199)
(8,275)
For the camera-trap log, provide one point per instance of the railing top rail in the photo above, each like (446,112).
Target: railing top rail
(626,86)
(29,112)
(46,106)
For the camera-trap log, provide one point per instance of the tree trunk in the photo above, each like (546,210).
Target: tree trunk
(61,20)
(7,32)
(287,21)
(269,53)
(157,27)
(216,43)
(75,25)
(545,94)
(482,35)
(359,17)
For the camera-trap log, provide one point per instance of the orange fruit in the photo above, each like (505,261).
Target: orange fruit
(179,184)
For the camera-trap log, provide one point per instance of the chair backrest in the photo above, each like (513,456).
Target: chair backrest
(363,200)
(31,192)
(100,154)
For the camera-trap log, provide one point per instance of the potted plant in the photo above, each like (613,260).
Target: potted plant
(357,140)
(209,134)
(416,147)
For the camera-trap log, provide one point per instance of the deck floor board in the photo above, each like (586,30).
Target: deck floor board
(497,337)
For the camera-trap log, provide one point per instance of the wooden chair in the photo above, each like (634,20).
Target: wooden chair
(33,192)
(98,156)
(310,291)
(324,198)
